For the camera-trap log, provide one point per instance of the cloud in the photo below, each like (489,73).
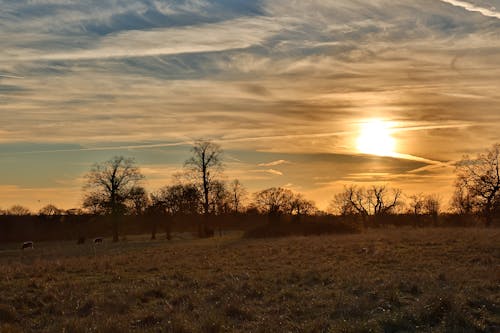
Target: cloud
(274,163)
(490,12)
(291,81)
(271,171)
(211,37)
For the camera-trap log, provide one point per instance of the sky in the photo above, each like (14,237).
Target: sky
(287,88)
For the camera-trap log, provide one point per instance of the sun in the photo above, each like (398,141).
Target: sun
(375,138)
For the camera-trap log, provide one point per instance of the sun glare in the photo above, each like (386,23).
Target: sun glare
(375,138)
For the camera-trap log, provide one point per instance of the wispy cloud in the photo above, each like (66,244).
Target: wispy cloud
(213,37)
(270,171)
(274,163)
(490,12)
(10,76)
(268,77)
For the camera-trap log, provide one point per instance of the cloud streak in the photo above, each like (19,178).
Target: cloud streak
(214,37)
(274,163)
(489,12)
(280,80)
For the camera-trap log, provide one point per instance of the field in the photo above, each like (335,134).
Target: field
(393,280)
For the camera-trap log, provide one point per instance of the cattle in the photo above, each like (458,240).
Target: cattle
(98,240)
(27,245)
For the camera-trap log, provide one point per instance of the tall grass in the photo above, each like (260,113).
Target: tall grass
(428,280)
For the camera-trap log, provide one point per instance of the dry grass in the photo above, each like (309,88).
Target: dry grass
(439,280)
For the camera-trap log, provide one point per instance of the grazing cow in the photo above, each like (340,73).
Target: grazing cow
(27,245)
(98,240)
(81,240)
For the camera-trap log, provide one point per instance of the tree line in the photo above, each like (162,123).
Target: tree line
(115,188)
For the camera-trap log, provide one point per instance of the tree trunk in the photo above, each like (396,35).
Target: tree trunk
(168,228)
(489,219)
(114,222)
(153,227)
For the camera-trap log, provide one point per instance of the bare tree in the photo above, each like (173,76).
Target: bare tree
(416,203)
(50,213)
(341,203)
(300,206)
(462,202)
(171,202)
(238,193)
(18,210)
(352,200)
(432,207)
(422,205)
(110,184)
(478,182)
(96,203)
(179,199)
(384,200)
(205,165)
(376,201)
(219,198)
(138,200)
(50,210)
(274,201)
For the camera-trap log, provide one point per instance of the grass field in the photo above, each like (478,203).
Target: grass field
(427,280)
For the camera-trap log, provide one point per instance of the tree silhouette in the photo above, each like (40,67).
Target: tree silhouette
(301,206)
(179,199)
(237,193)
(478,183)
(110,184)
(50,210)
(352,200)
(18,210)
(375,201)
(171,202)
(138,200)
(204,166)
(274,202)
(421,205)
(219,198)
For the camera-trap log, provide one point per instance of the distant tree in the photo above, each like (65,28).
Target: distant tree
(205,165)
(238,194)
(478,184)
(109,185)
(422,205)
(375,201)
(352,201)
(138,200)
(416,203)
(74,211)
(274,202)
(342,203)
(96,203)
(155,212)
(301,206)
(432,207)
(179,199)
(18,210)
(50,210)
(172,201)
(462,201)
(384,200)
(219,198)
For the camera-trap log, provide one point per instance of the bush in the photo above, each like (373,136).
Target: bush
(284,229)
